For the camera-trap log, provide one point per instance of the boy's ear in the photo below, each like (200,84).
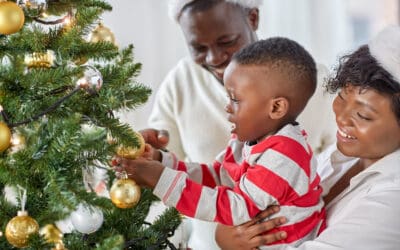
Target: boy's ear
(279,108)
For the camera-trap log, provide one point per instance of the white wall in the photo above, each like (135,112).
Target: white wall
(157,40)
(324,27)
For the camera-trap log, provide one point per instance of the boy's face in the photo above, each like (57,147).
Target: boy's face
(367,126)
(251,90)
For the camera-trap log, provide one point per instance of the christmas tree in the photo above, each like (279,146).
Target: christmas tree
(62,80)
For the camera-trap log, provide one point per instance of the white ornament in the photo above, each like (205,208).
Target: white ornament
(87,219)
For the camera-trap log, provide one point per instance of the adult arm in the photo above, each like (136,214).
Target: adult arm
(250,235)
(163,114)
(158,139)
(371,224)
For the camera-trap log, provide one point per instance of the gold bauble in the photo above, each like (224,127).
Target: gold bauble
(51,233)
(20,228)
(81,60)
(125,193)
(5,137)
(59,246)
(40,59)
(102,34)
(12,18)
(132,152)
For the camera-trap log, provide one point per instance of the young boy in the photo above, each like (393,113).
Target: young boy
(267,161)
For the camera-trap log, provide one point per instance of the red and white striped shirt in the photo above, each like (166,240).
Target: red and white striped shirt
(246,179)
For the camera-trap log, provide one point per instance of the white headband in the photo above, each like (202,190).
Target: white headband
(175,6)
(385,48)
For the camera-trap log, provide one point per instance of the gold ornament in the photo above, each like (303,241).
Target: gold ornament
(125,193)
(20,228)
(40,59)
(59,246)
(102,34)
(80,60)
(5,137)
(51,233)
(132,152)
(12,18)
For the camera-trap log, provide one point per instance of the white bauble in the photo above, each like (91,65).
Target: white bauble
(87,219)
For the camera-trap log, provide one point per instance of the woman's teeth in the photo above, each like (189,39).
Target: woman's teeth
(343,134)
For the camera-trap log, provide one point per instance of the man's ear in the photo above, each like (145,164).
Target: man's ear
(279,108)
(254,18)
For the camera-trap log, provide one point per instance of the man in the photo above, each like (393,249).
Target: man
(190,102)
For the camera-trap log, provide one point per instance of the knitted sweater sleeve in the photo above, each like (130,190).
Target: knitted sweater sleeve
(254,187)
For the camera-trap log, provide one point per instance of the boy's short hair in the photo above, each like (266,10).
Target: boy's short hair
(288,56)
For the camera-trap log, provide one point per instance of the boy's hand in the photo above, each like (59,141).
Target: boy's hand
(151,153)
(144,172)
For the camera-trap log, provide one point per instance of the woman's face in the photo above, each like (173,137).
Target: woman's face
(367,126)
(214,35)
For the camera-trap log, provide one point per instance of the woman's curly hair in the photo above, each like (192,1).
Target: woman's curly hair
(361,69)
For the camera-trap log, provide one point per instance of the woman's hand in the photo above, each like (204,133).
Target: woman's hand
(251,235)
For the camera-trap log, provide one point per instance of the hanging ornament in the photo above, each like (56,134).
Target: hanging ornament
(5,137)
(102,34)
(91,81)
(59,246)
(125,193)
(12,18)
(132,152)
(87,219)
(6,62)
(19,228)
(33,4)
(53,235)
(80,60)
(40,59)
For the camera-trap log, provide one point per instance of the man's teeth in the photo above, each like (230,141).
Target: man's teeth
(346,135)
(233,126)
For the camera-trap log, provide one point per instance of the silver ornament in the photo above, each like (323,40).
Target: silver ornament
(91,81)
(33,4)
(87,219)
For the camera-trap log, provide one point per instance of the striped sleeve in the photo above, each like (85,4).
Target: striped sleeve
(280,174)
(205,174)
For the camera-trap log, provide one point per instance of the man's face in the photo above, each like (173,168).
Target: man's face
(214,35)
